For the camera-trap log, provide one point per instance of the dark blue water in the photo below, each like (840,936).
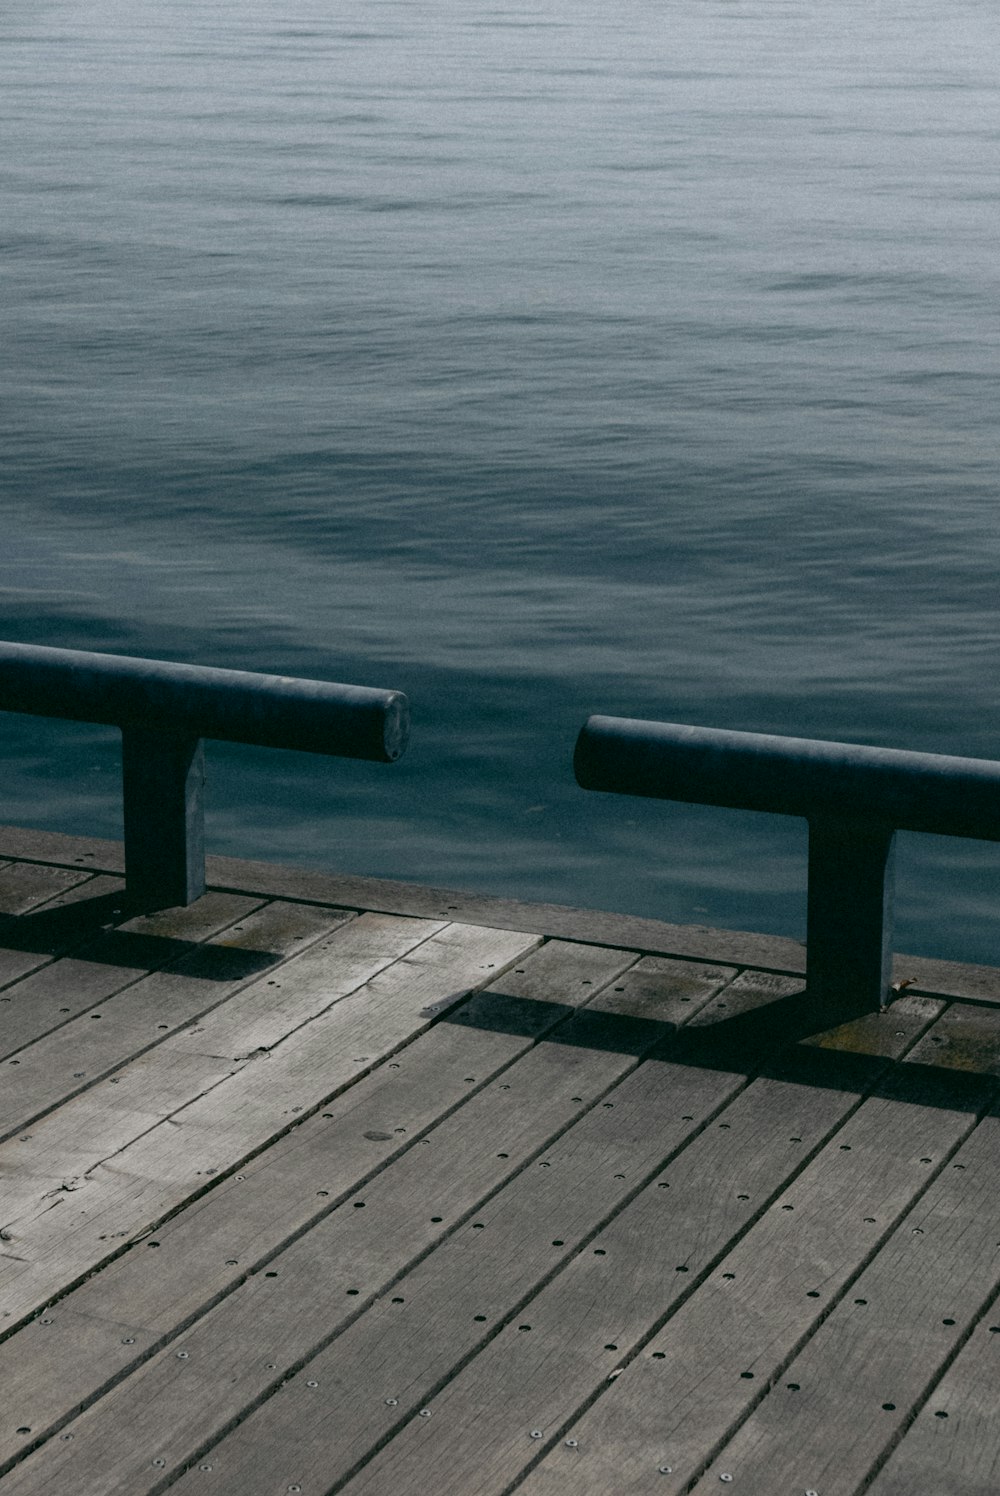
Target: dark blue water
(534,359)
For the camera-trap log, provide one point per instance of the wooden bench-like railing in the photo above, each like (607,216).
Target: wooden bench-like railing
(164,711)
(854,799)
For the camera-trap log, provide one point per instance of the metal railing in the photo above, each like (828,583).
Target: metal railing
(854,799)
(164,711)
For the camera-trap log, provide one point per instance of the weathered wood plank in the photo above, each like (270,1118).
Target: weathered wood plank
(842,1402)
(120,1012)
(490,1422)
(43,912)
(96,1124)
(70,920)
(354,1253)
(446,1307)
(953,1445)
(763,1297)
(25,885)
(964,1038)
(56,847)
(183,1006)
(113,960)
(209,1247)
(205,1128)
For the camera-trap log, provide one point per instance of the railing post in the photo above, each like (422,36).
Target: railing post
(162,779)
(850,913)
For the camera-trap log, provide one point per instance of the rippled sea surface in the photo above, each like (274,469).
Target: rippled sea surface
(536,360)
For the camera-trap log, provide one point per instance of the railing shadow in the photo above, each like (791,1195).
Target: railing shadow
(85,930)
(777,1040)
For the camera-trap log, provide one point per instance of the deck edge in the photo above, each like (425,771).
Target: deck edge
(925,975)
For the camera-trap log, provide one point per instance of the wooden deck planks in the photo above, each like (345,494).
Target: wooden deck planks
(350,1255)
(496,1417)
(839,1406)
(342,1226)
(195,1114)
(43,913)
(953,1446)
(700,1377)
(113,1010)
(209,1248)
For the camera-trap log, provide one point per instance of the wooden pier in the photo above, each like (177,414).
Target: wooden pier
(333,1184)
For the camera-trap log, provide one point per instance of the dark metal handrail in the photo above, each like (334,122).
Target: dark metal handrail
(854,799)
(164,711)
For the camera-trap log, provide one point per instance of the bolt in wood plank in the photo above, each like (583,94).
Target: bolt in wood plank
(210,1246)
(766,1295)
(171,1160)
(356,1251)
(840,1404)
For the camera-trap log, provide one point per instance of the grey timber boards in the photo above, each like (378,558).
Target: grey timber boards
(116,1025)
(842,1403)
(69,920)
(952,1448)
(110,976)
(377,1239)
(209,1247)
(420,1332)
(651,1262)
(661,1425)
(594,1211)
(184,1112)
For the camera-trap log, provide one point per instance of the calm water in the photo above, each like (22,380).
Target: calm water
(534,359)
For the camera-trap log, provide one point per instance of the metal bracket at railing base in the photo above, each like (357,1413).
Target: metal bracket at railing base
(849,920)
(163,780)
